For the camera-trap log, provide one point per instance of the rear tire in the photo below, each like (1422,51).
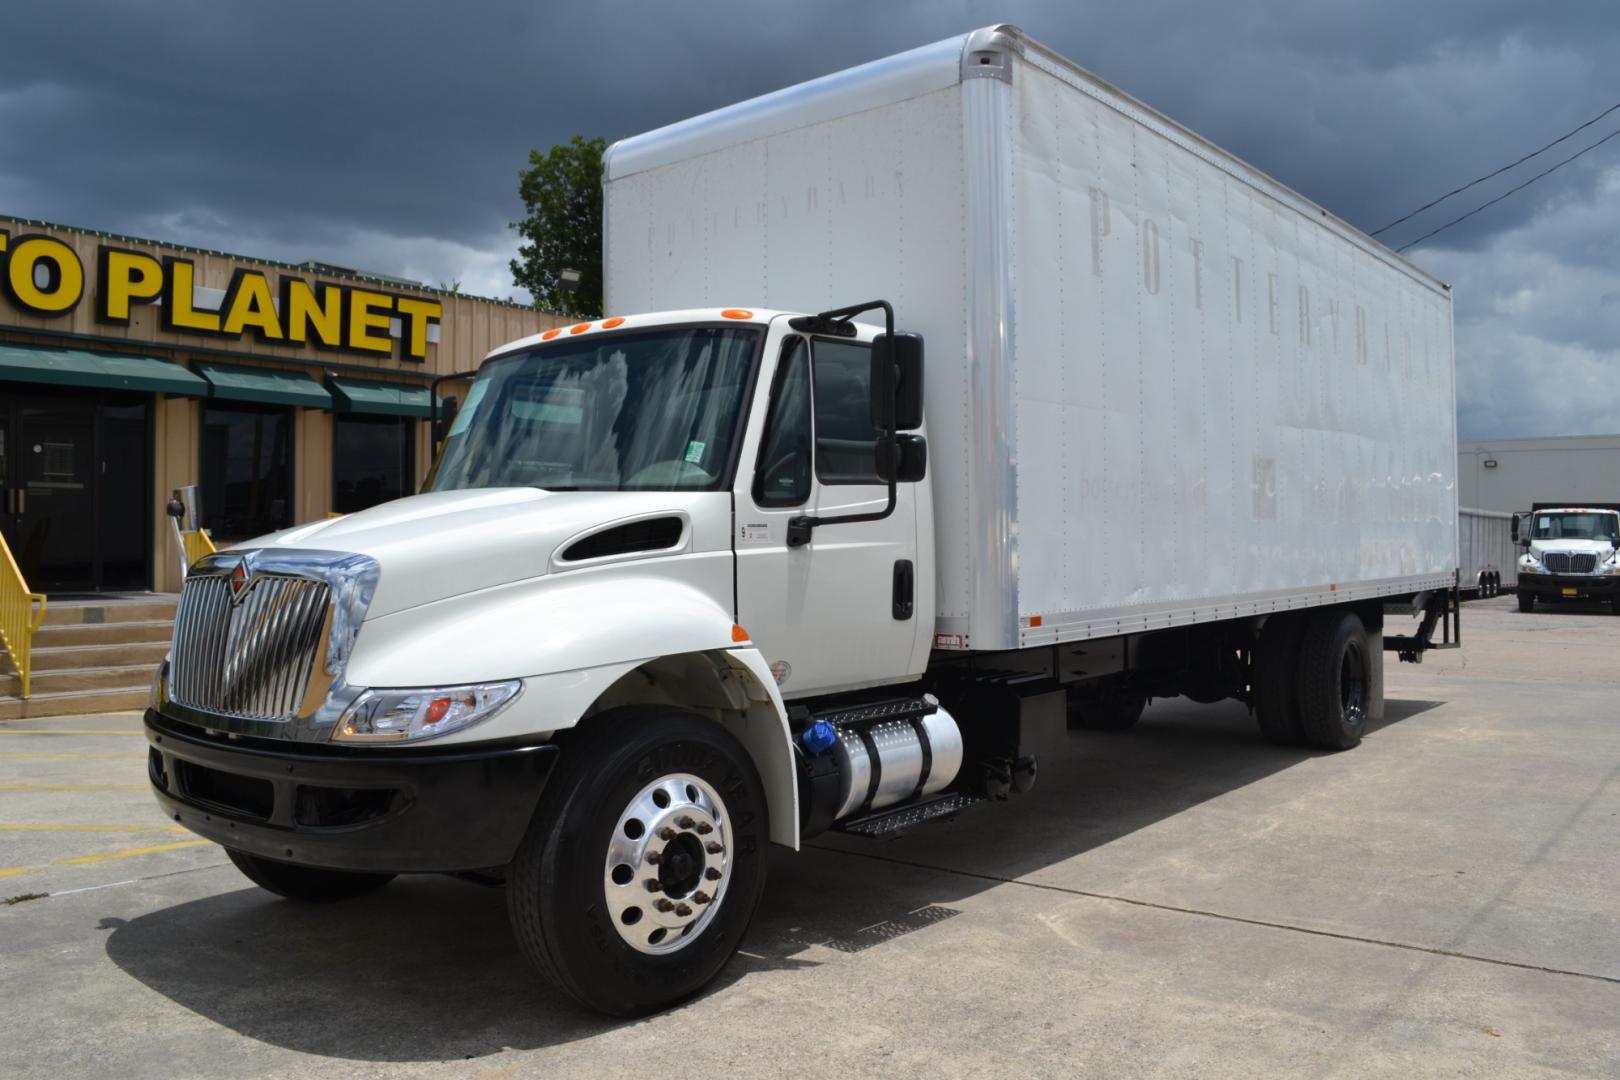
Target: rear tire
(1276,662)
(1117,712)
(310,884)
(1527,601)
(578,893)
(1334,680)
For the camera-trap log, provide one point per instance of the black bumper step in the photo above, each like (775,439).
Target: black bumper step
(896,820)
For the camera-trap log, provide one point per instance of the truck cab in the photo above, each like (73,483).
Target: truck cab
(1568,553)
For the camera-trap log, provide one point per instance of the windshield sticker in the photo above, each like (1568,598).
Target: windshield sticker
(754,532)
(694,452)
(465,414)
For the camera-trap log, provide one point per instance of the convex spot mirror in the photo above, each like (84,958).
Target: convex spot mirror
(898,395)
(910,458)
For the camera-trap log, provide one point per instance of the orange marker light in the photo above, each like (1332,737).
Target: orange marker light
(579,328)
(738,633)
(736,313)
(549,334)
(608,324)
(1034,620)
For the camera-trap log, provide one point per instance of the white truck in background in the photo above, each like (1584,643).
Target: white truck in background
(694,581)
(1569,553)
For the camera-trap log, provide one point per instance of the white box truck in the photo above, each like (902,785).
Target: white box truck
(735,565)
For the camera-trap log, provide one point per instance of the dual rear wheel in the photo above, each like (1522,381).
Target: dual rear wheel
(1314,680)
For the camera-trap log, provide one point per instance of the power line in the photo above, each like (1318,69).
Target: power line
(1510,191)
(1498,172)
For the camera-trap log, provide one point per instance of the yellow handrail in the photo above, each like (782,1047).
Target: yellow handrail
(197,544)
(18,618)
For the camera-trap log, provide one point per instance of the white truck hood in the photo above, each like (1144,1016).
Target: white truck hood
(449,543)
(1601,548)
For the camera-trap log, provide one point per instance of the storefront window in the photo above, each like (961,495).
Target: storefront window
(246,470)
(372,460)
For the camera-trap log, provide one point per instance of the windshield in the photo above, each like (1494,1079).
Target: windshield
(650,411)
(1576,527)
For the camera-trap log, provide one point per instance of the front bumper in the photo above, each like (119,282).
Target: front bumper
(1585,585)
(342,808)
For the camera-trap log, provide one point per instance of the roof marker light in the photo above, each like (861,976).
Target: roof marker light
(579,328)
(736,313)
(608,324)
(549,334)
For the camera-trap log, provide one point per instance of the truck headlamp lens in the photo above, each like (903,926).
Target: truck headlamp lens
(422,713)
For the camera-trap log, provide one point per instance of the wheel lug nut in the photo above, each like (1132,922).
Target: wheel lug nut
(654,858)
(664,905)
(713,847)
(654,885)
(701,897)
(686,823)
(712,874)
(666,834)
(683,910)
(704,828)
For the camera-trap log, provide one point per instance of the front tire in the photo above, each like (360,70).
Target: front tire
(1527,601)
(310,884)
(644,863)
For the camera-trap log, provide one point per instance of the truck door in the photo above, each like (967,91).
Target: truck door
(845,609)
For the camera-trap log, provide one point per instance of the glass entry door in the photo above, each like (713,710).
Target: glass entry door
(76,479)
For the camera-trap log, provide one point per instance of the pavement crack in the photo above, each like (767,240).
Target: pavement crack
(1244,920)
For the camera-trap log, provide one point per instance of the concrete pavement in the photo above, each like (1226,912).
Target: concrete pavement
(1177,900)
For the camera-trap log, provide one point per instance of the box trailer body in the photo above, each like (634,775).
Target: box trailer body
(1487,556)
(687,582)
(1162,388)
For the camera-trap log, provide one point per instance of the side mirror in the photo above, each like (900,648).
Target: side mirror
(1515,528)
(910,459)
(445,417)
(898,395)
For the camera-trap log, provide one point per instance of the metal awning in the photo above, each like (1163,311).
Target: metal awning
(378,398)
(267,386)
(106,371)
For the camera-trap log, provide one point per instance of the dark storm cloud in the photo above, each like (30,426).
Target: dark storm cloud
(389,135)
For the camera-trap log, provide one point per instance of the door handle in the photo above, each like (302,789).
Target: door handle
(904,589)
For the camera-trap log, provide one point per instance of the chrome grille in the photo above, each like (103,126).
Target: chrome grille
(1566,562)
(251,659)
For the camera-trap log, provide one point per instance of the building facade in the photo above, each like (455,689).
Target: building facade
(1509,475)
(130,368)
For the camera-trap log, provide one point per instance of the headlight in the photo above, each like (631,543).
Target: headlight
(422,713)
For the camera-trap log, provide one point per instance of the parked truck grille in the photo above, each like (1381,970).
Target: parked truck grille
(1565,562)
(251,658)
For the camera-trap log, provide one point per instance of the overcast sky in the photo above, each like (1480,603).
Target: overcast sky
(389,135)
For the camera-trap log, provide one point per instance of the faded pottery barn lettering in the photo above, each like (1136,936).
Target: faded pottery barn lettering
(43,276)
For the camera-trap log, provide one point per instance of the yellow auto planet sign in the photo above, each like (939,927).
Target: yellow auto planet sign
(44,277)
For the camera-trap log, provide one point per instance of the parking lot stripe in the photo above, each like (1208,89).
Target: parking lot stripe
(109,856)
(72,787)
(30,756)
(70,731)
(92,828)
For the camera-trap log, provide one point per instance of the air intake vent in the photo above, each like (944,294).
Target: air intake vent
(653,534)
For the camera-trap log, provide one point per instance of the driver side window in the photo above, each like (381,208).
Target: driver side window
(782,475)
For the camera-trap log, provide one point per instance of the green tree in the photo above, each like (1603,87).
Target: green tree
(562,200)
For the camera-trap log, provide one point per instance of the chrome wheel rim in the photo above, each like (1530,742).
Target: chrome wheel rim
(668,864)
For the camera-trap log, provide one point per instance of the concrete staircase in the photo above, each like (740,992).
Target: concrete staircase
(92,656)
